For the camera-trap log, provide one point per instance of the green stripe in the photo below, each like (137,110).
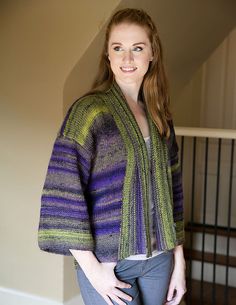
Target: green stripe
(65,235)
(125,225)
(83,116)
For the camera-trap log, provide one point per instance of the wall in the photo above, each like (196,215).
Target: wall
(40,43)
(218,102)
(209,98)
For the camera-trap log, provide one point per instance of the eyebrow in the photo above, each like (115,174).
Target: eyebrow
(135,44)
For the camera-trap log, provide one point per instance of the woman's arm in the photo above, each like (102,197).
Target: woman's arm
(177,287)
(102,277)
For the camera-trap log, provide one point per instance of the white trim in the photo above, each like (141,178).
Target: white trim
(16,297)
(206,132)
(75,301)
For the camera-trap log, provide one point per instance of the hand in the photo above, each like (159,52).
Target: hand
(103,279)
(177,286)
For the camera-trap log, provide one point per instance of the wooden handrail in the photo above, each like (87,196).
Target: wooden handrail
(205,132)
(209,257)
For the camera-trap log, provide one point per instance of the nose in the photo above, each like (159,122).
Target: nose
(128,56)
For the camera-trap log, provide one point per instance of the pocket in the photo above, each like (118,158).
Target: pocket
(120,263)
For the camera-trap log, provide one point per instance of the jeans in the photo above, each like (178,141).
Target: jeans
(149,279)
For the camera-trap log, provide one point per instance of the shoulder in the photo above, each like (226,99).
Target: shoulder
(81,115)
(89,105)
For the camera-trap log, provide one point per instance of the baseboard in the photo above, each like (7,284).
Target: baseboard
(15,297)
(75,301)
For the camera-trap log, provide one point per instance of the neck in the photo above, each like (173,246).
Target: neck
(130,91)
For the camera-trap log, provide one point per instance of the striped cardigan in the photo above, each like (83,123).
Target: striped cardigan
(95,196)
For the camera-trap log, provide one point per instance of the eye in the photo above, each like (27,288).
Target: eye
(138,49)
(117,48)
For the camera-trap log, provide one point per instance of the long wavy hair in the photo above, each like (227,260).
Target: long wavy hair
(154,90)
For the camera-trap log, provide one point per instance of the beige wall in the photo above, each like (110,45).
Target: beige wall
(218,102)
(40,43)
(209,99)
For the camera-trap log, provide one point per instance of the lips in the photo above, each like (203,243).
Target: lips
(128,69)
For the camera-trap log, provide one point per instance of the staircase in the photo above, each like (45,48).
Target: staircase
(209,179)
(200,291)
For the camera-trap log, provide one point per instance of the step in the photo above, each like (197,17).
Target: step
(210,229)
(209,257)
(207,294)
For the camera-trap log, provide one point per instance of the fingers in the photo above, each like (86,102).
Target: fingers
(122,294)
(170,293)
(120,284)
(107,299)
(117,295)
(179,295)
(176,299)
(117,299)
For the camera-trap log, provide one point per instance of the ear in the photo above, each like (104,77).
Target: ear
(151,59)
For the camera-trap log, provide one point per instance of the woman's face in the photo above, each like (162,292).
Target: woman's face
(129,52)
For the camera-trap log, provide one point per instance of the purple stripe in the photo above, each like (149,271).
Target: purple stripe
(177,187)
(55,213)
(108,174)
(58,147)
(178,195)
(178,209)
(107,228)
(60,169)
(46,198)
(105,178)
(84,163)
(107,231)
(107,224)
(57,226)
(177,198)
(101,209)
(63,159)
(57,153)
(177,177)
(113,193)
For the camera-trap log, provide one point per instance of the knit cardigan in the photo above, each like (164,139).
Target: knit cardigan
(96,193)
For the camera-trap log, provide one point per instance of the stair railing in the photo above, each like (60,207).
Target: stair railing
(209,179)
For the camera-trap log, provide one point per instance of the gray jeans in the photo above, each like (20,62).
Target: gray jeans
(149,279)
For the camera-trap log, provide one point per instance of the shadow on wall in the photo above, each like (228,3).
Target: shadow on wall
(82,75)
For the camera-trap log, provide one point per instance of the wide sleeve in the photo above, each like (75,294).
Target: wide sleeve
(64,215)
(177,188)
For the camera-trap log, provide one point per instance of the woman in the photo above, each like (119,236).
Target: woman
(113,194)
